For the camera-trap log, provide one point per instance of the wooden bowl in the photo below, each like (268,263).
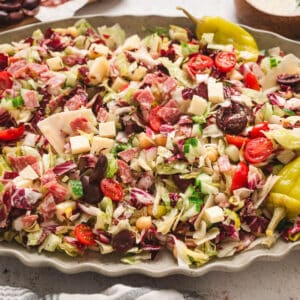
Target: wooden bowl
(287,25)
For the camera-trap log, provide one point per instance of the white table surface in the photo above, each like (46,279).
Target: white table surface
(262,280)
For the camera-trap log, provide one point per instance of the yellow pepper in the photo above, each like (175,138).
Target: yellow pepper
(225,33)
(286,191)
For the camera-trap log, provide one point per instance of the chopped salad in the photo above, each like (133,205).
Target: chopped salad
(133,145)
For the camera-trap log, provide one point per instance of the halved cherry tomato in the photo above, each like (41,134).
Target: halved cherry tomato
(5,81)
(236,140)
(84,234)
(225,61)
(155,120)
(257,130)
(199,63)
(112,189)
(258,150)
(240,177)
(251,81)
(11,134)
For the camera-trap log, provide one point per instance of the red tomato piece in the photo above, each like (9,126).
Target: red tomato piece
(112,189)
(155,120)
(251,81)
(225,61)
(5,81)
(84,234)
(236,140)
(11,134)
(258,150)
(240,177)
(199,63)
(257,130)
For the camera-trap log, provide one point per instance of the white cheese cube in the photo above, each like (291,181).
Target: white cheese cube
(79,144)
(99,69)
(101,144)
(98,50)
(28,173)
(197,106)
(214,214)
(54,63)
(20,182)
(215,91)
(132,42)
(107,129)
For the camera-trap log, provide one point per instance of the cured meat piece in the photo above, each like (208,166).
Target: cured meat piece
(48,207)
(75,102)
(124,171)
(21,162)
(170,112)
(128,155)
(58,191)
(18,69)
(80,124)
(30,99)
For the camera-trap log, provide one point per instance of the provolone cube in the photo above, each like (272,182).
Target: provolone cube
(28,173)
(214,214)
(79,144)
(101,144)
(215,91)
(21,182)
(98,50)
(197,106)
(54,63)
(99,69)
(107,129)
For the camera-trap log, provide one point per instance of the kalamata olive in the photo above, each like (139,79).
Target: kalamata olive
(123,241)
(99,171)
(4,116)
(31,4)
(16,16)
(9,6)
(91,192)
(288,79)
(182,184)
(232,119)
(3,17)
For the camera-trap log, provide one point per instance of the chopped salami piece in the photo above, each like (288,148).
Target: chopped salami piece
(21,162)
(18,69)
(169,85)
(36,69)
(58,191)
(30,99)
(102,115)
(124,171)
(54,84)
(75,102)
(48,207)
(48,176)
(154,78)
(128,155)
(170,112)
(64,167)
(144,96)
(80,124)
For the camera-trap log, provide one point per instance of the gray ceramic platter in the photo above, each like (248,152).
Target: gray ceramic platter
(164,264)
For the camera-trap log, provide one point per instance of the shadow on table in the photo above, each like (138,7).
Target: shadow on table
(99,7)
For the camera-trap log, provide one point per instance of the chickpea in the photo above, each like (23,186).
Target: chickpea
(143,223)
(212,154)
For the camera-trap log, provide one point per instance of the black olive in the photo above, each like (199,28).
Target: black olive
(16,16)
(99,171)
(182,184)
(3,17)
(31,4)
(232,119)
(91,192)
(9,6)
(123,241)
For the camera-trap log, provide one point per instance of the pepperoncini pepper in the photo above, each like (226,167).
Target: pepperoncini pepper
(225,33)
(284,198)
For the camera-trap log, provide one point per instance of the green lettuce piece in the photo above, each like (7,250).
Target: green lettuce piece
(285,137)
(174,168)
(112,167)
(50,244)
(34,237)
(113,36)
(175,71)
(4,166)
(188,49)
(82,26)
(165,224)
